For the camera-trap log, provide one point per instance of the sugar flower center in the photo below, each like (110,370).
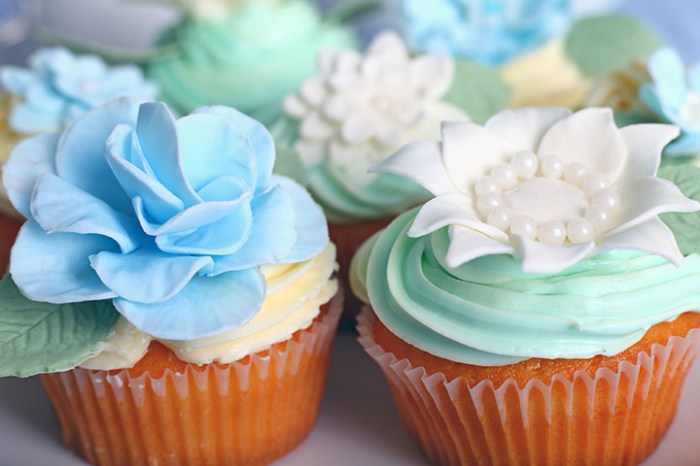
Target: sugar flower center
(545,200)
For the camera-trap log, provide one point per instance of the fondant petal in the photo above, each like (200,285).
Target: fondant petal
(523,128)
(652,236)
(544,258)
(688,144)
(645,143)
(467,244)
(668,72)
(55,267)
(205,307)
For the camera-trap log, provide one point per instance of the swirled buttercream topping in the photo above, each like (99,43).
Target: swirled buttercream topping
(489,312)
(295,294)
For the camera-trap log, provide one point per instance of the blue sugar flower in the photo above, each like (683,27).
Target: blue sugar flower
(169,219)
(59,86)
(674,96)
(488,31)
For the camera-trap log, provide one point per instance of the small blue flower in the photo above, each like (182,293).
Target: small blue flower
(59,86)
(169,219)
(674,96)
(488,31)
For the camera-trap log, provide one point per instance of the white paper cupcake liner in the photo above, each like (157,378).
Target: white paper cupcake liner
(248,412)
(613,418)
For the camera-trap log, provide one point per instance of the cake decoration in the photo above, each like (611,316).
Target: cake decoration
(170,220)
(58,87)
(546,186)
(674,97)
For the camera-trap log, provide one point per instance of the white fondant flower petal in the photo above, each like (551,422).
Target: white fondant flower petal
(545,258)
(451,209)
(523,128)
(652,236)
(422,163)
(388,46)
(433,74)
(469,151)
(645,143)
(645,198)
(466,245)
(589,137)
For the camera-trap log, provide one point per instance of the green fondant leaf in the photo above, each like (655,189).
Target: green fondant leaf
(478,90)
(601,44)
(287,161)
(685,226)
(38,338)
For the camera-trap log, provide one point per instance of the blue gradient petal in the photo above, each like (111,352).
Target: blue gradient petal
(206,306)
(687,145)
(668,72)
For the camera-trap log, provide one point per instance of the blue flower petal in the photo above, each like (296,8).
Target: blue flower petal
(206,306)
(80,158)
(58,206)
(272,237)
(258,136)
(311,225)
(224,236)
(208,141)
(17,80)
(30,159)
(148,275)
(55,267)
(668,73)
(158,141)
(688,144)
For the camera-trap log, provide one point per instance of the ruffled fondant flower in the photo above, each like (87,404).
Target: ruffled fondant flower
(361,109)
(544,185)
(674,96)
(490,32)
(619,89)
(169,219)
(59,86)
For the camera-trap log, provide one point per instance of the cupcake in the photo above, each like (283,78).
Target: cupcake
(53,91)
(541,52)
(359,110)
(536,307)
(177,297)
(246,54)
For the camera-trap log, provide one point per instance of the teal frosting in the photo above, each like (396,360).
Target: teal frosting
(488,312)
(250,59)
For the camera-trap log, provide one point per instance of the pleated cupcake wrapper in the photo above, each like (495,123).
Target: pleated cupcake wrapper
(614,418)
(248,412)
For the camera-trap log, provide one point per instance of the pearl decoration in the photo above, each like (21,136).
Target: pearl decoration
(594,182)
(579,230)
(500,217)
(487,185)
(551,166)
(575,172)
(485,204)
(523,225)
(607,197)
(505,174)
(525,163)
(599,216)
(552,232)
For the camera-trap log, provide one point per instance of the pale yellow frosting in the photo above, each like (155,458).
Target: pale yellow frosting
(295,294)
(545,77)
(619,90)
(8,140)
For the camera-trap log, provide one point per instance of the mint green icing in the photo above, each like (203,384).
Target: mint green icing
(250,59)
(38,338)
(489,312)
(686,227)
(602,44)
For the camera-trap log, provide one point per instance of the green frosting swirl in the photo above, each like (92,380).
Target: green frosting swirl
(488,312)
(250,59)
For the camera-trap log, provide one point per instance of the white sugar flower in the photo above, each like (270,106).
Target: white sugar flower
(545,185)
(360,109)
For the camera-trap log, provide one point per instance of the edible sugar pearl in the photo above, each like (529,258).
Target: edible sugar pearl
(552,232)
(599,216)
(525,163)
(485,204)
(607,198)
(500,217)
(487,185)
(505,174)
(575,172)
(594,182)
(523,225)
(551,166)
(579,230)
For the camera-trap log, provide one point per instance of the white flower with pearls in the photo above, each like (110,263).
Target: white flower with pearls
(545,185)
(361,109)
